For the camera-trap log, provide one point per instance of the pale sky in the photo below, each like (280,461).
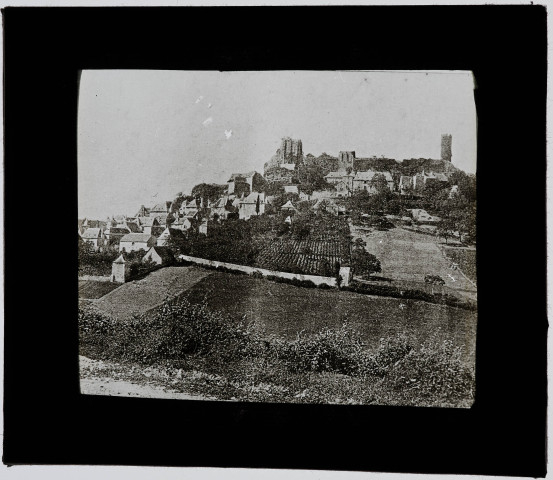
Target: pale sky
(144,135)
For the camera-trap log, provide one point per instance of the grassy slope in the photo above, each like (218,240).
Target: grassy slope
(140,296)
(406,255)
(465,258)
(92,289)
(285,310)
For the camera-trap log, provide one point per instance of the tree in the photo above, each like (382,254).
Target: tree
(257,205)
(364,263)
(446,228)
(359,244)
(379,183)
(209,191)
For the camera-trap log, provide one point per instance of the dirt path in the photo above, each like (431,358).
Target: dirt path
(107,378)
(140,296)
(121,388)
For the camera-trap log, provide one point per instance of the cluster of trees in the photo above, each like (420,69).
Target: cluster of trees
(229,241)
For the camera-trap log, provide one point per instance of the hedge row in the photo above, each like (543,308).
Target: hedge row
(396,292)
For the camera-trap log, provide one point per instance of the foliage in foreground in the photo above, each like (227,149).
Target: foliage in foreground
(183,335)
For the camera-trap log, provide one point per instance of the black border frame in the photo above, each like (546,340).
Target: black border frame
(46,421)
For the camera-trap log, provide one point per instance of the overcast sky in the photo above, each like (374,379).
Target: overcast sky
(144,135)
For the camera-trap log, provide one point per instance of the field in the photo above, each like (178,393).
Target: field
(92,289)
(409,256)
(139,296)
(316,253)
(313,256)
(465,258)
(285,310)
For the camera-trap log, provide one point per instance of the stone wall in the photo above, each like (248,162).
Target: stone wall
(316,279)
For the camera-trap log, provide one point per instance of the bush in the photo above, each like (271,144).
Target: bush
(436,372)
(331,350)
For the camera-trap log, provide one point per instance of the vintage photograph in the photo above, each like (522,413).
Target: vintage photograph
(278,236)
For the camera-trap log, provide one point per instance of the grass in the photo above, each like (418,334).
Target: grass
(92,289)
(285,310)
(465,258)
(140,296)
(191,349)
(408,256)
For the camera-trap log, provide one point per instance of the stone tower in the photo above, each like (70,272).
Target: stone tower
(345,159)
(290,151)
(120,270)
(446,147)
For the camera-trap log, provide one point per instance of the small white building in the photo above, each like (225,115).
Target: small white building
(291,189)
(136,241)
(120,269)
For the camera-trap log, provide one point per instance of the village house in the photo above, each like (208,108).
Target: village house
(143,212)
(159,256)
(168,234)
(190,208)
(82,228)
(341,176)
(253,179)
(147,223)
(405,184)
(136,241)
(115,234)
(325,205)
(342,190)
(94,236)
(421,180)
(288,208)
(160,209)
(219,208)
(291,189)
(253,204)
(365,181)
(304,196)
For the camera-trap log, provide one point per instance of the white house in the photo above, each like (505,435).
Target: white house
(136,241)
(147,223)
(364,180)
(95,236)
(253,204)
(291,189)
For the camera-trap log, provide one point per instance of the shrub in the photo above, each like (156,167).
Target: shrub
(331,350)
(436,373)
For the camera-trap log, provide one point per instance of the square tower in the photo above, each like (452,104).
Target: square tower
(446,147)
